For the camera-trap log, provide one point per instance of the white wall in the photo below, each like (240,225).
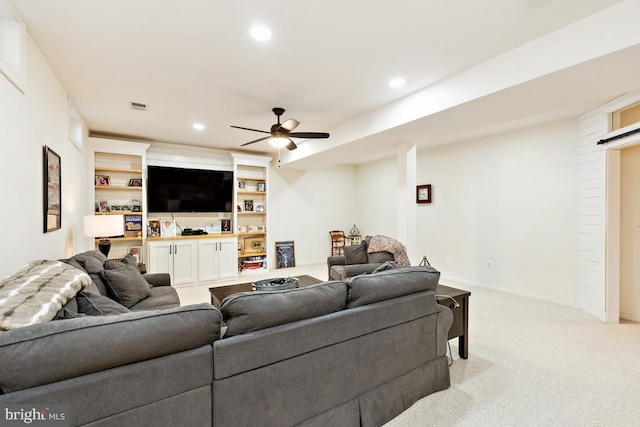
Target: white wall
(306,205)
(377,198)
(27,123)
(510,199)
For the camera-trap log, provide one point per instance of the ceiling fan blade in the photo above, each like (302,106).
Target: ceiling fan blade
(310,135)
(290,124)
(254,130)
(291,145)
(256,140)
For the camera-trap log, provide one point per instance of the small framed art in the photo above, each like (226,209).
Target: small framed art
(423,193)
(103,180)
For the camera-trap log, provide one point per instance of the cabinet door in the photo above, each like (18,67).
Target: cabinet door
(185,262)
(228,258)
(208,259)
(161,258)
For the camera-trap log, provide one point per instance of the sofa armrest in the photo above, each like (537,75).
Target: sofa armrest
(335,260)
(58,350)
(158,279)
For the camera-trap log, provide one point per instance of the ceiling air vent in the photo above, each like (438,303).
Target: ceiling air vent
(138,106)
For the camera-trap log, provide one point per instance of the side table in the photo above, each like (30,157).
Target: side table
(460,326)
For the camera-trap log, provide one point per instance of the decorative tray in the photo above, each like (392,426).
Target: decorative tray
(275,284)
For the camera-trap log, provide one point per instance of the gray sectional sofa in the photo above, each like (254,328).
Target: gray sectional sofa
(353,353)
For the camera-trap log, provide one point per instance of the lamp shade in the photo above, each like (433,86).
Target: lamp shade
(103,225)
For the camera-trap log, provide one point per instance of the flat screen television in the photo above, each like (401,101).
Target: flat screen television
(188,190)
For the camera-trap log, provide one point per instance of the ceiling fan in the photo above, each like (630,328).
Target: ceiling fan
(280,134)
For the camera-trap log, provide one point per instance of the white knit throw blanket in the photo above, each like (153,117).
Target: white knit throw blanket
(387,244)
(36,292)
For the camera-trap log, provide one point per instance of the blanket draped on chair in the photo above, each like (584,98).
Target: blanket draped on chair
(380,243)
(36,292)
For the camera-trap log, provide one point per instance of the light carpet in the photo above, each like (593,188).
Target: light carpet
(534,363)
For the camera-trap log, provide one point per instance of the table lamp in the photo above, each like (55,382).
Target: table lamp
(102,226)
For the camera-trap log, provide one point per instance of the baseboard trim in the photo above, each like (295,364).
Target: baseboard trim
(447,280)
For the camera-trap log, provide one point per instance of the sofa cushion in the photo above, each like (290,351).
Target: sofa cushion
(356,254)
(159,298)
(69,310)
(252,311)
(370,288)
(380,257)
(91,262)
(127,284)
(37,291)
(98,305)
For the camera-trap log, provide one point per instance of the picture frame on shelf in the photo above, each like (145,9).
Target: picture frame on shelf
(153,228)
(248,205)
(285,254)
(135,182)
(254,245)
(167,227)
(103,180)
(262,186)
(136,251)
(225,225)
(212,227)
(102,206)
(423,193)
(52,190)
(136,205)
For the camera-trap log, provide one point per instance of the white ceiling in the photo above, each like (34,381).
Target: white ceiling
(328,65)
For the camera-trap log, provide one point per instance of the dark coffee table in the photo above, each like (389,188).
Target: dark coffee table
(221,292)
(460,326)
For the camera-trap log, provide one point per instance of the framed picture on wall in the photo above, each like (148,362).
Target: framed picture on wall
(52,190)
(423,193)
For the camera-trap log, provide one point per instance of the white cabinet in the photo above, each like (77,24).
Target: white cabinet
(217,259)
(179,258)
(192,261)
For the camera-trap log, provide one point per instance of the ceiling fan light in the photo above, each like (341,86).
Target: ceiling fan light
(280,141)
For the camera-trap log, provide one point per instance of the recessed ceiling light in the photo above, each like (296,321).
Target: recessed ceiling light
(396,82)
(198,126)
(261,33)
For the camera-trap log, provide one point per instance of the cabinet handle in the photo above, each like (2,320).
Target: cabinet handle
(170,249)
(175,249)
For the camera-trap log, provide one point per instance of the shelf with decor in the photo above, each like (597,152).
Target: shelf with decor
(118,176)
(118,187)
(251,217)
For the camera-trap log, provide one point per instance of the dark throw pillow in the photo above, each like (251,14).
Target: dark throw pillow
(93,304)
(127,284)
(356,254)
